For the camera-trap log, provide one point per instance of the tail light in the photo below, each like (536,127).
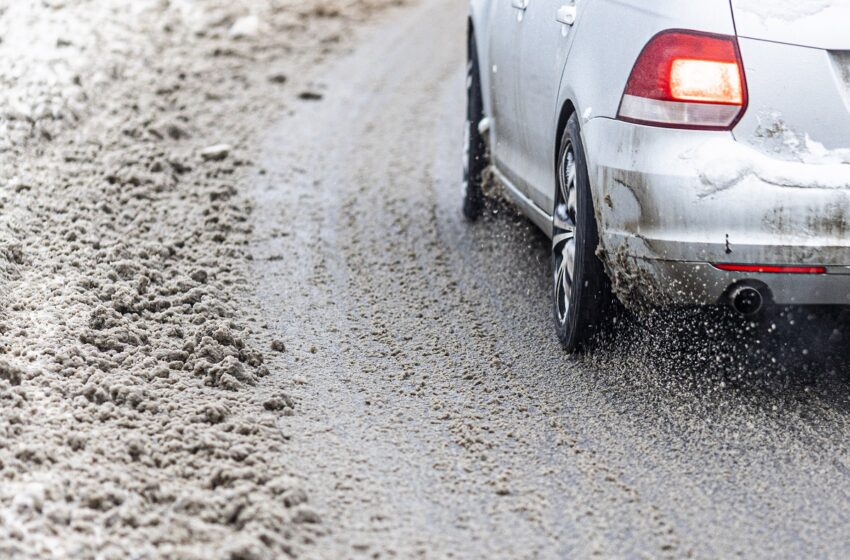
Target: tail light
(687,79)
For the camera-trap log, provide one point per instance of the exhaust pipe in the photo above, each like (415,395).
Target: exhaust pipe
(746,300)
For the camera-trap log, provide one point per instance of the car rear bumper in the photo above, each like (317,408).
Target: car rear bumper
(670,203)
(680,283)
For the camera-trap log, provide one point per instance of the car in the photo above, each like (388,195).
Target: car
(677,153)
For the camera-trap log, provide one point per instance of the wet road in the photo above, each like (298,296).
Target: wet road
(437,415)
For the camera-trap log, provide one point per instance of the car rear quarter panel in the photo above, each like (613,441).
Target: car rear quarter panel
(612,35)
(799,100)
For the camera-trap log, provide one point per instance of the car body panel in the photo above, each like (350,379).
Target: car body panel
(505,97)
(598,68)
(785,120)
(677,196)
(696,195)
(650,282)
(539,84)
(809,23)
(600,63)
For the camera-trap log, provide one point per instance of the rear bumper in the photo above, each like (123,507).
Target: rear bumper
(669,202)
(693,283)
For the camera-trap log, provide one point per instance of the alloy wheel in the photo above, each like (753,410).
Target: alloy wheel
(564,234)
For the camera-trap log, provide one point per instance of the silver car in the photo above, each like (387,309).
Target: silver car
(677,152)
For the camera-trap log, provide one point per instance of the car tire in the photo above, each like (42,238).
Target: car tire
(475,148)
(584,305)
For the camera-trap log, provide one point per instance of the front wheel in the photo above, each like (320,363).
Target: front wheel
(475,149)
(583,301)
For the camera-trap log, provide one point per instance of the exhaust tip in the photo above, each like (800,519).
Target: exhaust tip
(747,300)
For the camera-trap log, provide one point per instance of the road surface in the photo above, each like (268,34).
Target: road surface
(437,414)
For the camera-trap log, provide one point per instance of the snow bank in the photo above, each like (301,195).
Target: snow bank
(136,416)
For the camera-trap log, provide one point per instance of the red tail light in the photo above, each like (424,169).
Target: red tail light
(687,79)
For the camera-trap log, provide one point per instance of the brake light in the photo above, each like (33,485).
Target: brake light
(703,80)
(686,79)
(771,269)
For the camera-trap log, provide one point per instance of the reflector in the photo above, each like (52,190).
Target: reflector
(771,269)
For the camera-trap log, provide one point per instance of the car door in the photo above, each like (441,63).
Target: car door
(505,25)
(548,28)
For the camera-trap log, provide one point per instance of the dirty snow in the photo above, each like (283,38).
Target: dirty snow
(136,416)
(722,163)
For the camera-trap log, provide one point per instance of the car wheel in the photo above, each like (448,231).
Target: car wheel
(583,301)
(475,149)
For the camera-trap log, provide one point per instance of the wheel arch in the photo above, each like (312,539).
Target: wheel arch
(567,110)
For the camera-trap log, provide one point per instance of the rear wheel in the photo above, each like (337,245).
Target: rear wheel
(475,149)
(583,301)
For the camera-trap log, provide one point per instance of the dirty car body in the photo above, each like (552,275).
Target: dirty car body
(698,189)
